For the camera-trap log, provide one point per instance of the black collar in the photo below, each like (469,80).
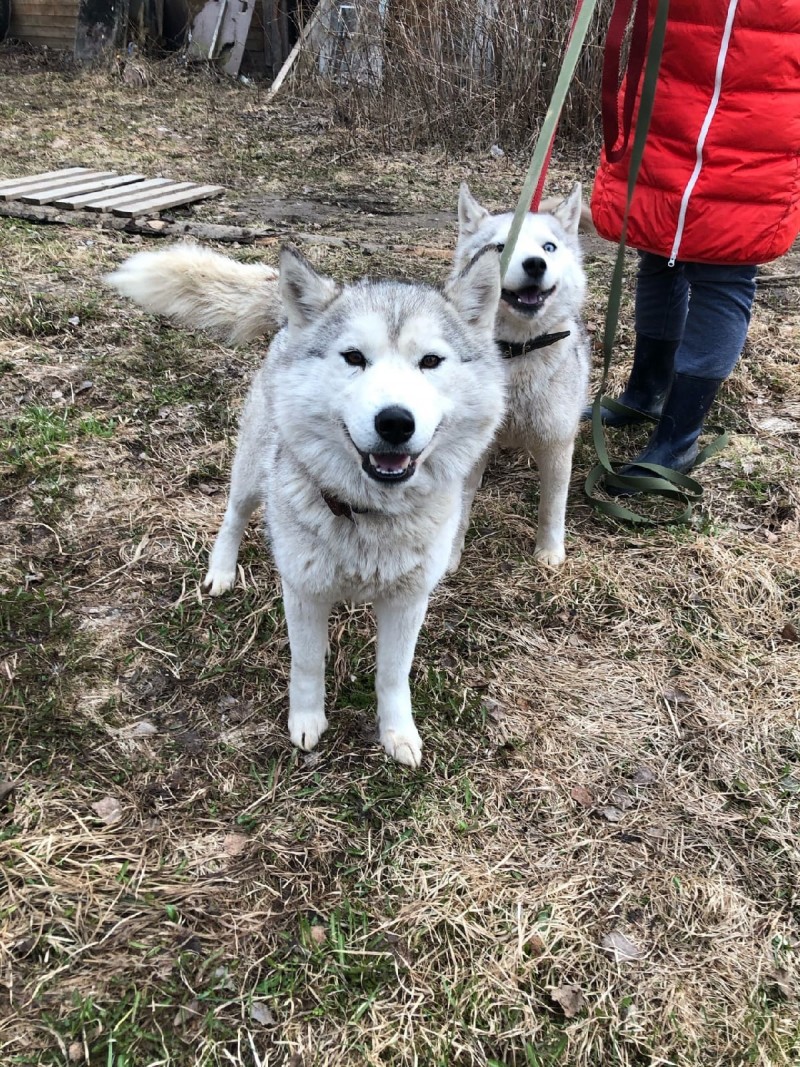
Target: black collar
(340,509)
(510,349)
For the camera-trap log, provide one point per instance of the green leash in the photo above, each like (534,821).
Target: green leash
(549,124)
(661,481)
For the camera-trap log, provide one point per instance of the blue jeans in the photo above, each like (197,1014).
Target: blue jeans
(705,306)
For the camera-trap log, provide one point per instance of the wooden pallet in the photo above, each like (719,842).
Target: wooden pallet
(125,195)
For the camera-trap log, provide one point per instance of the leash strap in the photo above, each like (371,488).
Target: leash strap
(668,484)
(537,165)
(536,199)
(611,78)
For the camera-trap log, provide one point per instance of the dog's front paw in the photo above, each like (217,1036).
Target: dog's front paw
(455,559)
(219,580)
(306,728)
(403,745)
(550,557)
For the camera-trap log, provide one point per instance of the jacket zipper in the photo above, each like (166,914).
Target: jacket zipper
(701,140)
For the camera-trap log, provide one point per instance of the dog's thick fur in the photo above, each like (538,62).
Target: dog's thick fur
(543,293)
(373,405)
(236,302)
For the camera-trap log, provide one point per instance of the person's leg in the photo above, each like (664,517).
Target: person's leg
(662,295)
(720,304)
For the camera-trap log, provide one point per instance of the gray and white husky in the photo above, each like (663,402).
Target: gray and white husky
(373,405)
(540,331)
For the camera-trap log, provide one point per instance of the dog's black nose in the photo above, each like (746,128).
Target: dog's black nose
(395,425)
(534,267)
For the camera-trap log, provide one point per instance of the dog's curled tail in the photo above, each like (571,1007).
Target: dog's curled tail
(236,302)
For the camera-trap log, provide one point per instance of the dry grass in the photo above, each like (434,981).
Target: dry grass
(456,72)
(611,751)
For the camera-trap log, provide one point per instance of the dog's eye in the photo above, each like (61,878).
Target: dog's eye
(354,358)
(430,362)
(548,246)
(500,247)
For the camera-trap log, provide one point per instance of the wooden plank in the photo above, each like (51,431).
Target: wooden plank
(101,201)
(45,185)
(32,178)
(157,187)
(25,23)
(237,24)
(64,188)
(170,199)
(47,7)
(71,201)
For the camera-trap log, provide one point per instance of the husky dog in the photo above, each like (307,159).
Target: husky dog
(541,335)
(374,403)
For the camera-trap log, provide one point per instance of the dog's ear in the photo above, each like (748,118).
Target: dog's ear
(304,293)
(470,213)
(475,292)
(570,211)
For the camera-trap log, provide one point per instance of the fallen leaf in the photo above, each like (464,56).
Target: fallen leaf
(75,1052)
(581,795)
(108,809)
(186,1012)
(611,813)
(790,784)
(534,946)
(493,708)
(789,632)
(6,790)
(621,947)
(656,832)
(621,798)
(643,776)
(569,998)
(234,844)
(260,1013)
(676,695)
(318,934)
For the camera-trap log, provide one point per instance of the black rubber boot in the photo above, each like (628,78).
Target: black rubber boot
(648,383)
(673,443)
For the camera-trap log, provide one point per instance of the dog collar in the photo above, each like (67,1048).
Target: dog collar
(511,349)
(340,509)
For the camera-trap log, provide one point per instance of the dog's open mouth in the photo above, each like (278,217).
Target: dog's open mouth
(389,466)
(528,301)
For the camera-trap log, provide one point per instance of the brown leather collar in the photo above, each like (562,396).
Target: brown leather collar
(340,509)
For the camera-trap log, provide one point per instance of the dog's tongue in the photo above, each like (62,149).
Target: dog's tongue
(390,462)
(532,295)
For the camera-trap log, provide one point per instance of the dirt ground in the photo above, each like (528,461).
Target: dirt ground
(598,862)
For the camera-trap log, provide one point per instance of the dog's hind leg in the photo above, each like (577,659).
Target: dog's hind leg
(307,623)
(471,487)
(399,623)
(554,460)
(243,499)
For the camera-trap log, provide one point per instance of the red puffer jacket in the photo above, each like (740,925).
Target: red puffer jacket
(720,175)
